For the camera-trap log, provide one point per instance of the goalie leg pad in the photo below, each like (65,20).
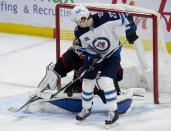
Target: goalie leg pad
(124,106)
(75,105)
(72,105)
(50,79)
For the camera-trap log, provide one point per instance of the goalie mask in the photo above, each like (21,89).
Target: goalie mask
(80,15)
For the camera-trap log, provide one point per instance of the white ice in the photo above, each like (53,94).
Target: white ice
(22,65)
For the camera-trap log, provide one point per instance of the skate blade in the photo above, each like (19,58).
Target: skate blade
(82,122)
(111,125)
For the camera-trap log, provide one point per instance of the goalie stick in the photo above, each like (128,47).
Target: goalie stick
(38,96)
(34,98)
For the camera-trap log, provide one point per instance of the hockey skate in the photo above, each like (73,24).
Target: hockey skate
(83,114)
(113,116)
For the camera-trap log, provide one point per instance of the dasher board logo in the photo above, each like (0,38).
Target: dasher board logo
(101,44)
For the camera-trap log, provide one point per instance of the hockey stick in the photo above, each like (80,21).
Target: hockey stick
(34,98)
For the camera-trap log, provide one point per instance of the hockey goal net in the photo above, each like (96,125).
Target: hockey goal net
(146,64)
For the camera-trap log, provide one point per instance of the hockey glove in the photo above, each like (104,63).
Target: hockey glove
(131,34)
(88,63)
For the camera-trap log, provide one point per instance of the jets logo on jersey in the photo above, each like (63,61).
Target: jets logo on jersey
(101,44)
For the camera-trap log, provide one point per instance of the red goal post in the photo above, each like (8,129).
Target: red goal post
(119,8)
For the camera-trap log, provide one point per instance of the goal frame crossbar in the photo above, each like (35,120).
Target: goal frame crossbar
(155,38)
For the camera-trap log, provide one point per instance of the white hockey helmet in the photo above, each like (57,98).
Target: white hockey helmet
(79,12)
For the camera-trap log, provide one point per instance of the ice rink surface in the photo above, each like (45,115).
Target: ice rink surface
(22,65)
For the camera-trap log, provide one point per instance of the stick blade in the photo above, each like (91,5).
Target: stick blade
(12,109)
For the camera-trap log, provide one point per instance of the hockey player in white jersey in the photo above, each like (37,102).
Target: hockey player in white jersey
(96,36)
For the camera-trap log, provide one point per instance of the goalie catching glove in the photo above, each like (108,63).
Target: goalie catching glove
(50,79)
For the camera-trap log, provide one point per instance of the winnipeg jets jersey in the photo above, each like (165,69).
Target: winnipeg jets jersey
(102,37)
